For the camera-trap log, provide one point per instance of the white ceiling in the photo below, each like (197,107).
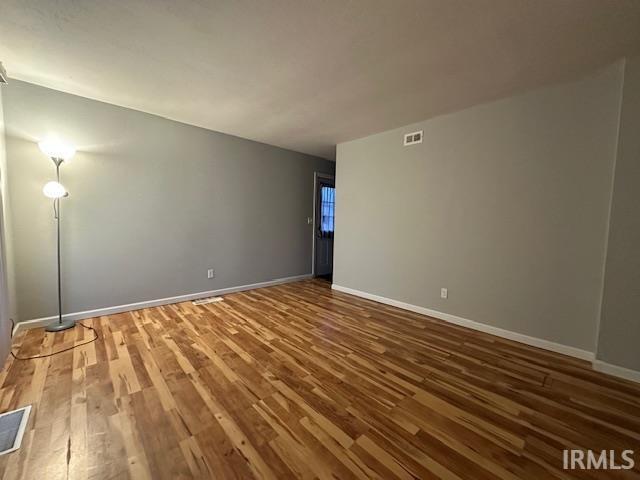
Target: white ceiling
(307,74)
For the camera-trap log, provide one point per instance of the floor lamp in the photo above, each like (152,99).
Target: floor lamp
(59,153)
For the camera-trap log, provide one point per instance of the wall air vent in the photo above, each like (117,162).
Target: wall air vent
(204,301)
(412,138)
(12,427)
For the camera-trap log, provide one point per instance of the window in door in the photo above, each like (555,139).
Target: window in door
(327,210)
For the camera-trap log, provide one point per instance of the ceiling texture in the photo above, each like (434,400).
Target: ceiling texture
(308,74)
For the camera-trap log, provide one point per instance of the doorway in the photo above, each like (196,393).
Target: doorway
(323,225)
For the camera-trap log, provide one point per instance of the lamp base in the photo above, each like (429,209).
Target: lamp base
(58,326)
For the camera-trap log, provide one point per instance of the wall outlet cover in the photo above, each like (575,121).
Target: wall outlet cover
(413,138)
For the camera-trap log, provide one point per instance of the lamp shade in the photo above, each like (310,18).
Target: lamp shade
(55,148)
(54,190)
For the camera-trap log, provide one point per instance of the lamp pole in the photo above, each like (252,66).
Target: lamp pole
(57,200)
(60,324)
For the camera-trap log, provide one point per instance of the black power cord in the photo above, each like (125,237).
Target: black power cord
(34,357)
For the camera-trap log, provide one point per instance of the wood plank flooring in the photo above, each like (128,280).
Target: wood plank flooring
(298,381)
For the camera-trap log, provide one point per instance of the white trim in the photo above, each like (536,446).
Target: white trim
(39,322)
(615,370)
(23,426)
(482,327)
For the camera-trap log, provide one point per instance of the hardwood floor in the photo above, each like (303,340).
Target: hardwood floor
(298,381)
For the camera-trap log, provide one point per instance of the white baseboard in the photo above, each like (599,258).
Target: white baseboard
(482,327)
(616,371)
(40,322)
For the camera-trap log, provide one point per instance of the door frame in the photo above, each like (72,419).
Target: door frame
(316,177)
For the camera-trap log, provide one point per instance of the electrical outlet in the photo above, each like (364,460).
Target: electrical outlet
(413,138)
(211,273)
(444,293)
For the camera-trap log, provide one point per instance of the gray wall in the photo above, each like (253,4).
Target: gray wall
(619,340)
(153,204)
(505,204)
(7,290)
